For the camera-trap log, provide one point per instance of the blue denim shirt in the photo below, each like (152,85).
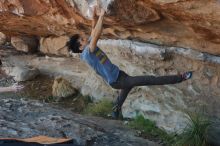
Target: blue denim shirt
(99,61)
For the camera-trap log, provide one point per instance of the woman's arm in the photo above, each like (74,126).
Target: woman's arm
(96,33)
(4,89)
(13,88)
(94,18)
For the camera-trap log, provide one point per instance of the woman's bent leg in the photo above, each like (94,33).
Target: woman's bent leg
(119,102)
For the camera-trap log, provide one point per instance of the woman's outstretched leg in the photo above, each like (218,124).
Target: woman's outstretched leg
(131,81)
(126,83)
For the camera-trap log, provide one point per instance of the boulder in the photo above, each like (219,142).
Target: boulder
(25,44)
(62,89)
(54,45)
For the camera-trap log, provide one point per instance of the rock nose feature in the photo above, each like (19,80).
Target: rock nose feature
(190,24)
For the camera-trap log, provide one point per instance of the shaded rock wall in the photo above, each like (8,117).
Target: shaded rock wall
(25,44)
(192,24)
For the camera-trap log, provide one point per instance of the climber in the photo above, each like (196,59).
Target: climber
(13,88)
(116,78)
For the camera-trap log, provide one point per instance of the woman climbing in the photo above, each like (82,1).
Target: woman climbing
(116,78)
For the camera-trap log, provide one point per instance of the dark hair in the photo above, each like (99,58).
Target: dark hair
(73,44)
(0,62)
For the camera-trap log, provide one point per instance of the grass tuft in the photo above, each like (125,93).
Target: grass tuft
(149,129)
(102,108)
(195,133)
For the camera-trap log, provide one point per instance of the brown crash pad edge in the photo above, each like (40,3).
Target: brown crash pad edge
(40,140)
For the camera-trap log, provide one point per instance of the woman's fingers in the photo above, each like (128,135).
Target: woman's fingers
(17,87)
(20,87)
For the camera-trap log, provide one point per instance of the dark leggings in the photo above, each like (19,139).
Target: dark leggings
(126,83)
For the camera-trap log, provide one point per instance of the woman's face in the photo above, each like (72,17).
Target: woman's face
(82,42)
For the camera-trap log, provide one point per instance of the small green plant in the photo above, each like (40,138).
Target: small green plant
(49,99)
(102,108)
(76,103)
(149,129)
(195,133)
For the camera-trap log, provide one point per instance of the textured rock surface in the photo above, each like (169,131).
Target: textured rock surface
(22,73)
(183,23)
(54,45)
(25,44)
(62,89)
(167,104)
(22,118)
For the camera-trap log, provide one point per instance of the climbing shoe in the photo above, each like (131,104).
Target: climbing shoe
(116,110)
(187,75)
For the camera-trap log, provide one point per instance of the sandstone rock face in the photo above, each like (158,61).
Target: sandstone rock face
(25,44)
(2,38)
(54,45)
(192,24)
